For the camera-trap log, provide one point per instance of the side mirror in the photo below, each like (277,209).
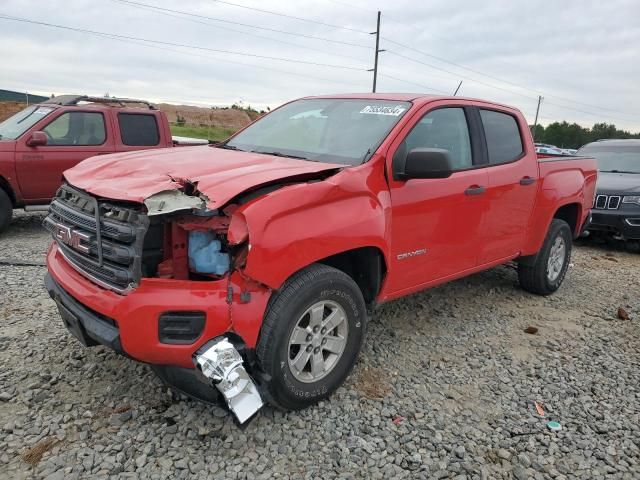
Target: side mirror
(37,139)
(426,163)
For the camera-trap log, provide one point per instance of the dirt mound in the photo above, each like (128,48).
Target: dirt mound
(217,117)
(9,108)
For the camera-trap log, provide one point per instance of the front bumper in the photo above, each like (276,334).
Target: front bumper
(129,323)
(616,222)
(89,327)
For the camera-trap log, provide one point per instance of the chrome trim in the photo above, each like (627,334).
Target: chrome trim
(36,208)
(633,222)
(597,202)
(611,198)
(97,281)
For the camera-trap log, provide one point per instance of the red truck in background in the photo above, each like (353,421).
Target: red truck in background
(43,140)
(246,271)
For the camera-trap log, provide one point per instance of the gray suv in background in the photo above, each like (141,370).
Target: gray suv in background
(616,208)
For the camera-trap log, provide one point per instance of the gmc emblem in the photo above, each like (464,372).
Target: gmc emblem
(72,237)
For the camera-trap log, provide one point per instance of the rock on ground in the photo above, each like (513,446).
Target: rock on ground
(443,389)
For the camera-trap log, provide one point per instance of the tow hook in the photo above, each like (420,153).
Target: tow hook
(222,365)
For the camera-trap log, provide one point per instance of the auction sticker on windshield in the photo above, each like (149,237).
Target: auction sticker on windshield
(383,110)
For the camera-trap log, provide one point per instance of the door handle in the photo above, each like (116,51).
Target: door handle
(475,190)
(527,181)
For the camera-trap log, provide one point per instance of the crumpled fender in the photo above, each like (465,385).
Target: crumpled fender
(300,224)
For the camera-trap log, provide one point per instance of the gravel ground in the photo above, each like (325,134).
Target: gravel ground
(444,388)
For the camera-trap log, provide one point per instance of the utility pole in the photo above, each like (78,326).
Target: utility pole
(535,123)
(375,61)
(459,85)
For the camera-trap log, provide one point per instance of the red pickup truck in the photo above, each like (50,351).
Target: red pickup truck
(246,271)
(43,140)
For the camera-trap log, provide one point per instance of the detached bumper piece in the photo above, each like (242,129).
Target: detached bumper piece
(222,365)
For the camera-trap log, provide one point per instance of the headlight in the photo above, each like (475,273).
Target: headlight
(631,199)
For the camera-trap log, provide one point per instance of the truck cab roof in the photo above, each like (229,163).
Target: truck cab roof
(415,98)
(85,101)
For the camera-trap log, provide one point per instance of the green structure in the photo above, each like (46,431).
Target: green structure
(11,96)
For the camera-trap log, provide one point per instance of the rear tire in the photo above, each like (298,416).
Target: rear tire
(547,272)
(310,336)
(6,210)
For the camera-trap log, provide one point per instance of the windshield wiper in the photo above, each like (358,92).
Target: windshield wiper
(229,147)
(617,171)
(280,154)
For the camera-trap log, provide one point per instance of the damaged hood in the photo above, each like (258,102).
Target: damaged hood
(218,175)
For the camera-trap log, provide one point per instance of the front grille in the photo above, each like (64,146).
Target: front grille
(607,202)
(110,255)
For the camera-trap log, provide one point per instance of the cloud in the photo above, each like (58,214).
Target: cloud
(582,56)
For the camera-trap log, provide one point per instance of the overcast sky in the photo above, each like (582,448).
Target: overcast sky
(582,56)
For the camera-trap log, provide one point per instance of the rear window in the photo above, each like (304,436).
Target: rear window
(138,129)
(503,136)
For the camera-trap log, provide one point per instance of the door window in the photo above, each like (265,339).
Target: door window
(503,136)
(76,128)
(443,128)
(138,129)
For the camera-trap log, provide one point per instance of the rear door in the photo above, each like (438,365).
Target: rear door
(72,136)
(512,167)
(436,222)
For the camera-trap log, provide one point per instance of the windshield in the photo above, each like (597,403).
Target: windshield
(325,130)
(22,121)
(614,158)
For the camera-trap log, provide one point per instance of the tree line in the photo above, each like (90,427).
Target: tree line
(572,135)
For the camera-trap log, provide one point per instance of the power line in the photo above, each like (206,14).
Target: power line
(413,83)
(196,47)
(225,60)
(502,80)
(309,20)
(599,115)
(165,11)
(444,60)
(211,57)
(458,75)
(284,32)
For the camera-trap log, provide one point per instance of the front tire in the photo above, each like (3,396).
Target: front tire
(545,275)
(311,336)
(6,210)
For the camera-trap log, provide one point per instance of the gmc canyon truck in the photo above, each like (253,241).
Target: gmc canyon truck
(43,140)
(246,271)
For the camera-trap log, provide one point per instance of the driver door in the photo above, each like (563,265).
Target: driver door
(72,136)
(436,222)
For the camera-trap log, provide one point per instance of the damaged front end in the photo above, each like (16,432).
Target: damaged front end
(199,245)
(126,247)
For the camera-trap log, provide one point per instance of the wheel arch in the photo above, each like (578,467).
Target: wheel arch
(570,213)
(6,186)
(365,265)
